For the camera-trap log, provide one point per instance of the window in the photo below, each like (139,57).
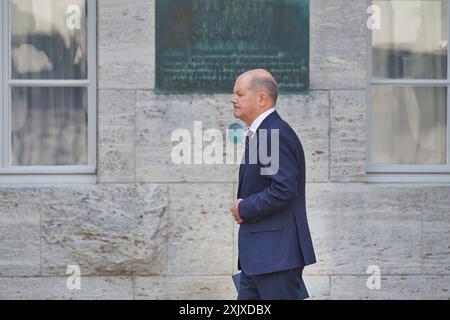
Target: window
(48,87)
(409,92)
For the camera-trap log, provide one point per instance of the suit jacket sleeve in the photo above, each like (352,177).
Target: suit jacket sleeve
(283,186)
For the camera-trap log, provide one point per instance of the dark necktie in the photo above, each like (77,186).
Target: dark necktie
(248,137)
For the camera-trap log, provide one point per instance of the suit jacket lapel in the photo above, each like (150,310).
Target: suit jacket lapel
(264,125)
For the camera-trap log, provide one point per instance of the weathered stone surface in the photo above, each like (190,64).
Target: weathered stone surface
(354,226)
(318,287)
(126,44)
(106,230)
(116,164)
(201,229)
(19,231)
(348,136)
(309,116)
(185,288)
(116,135)
(436,231)
(338,44)
(158,116)
(50,288)
(410,287)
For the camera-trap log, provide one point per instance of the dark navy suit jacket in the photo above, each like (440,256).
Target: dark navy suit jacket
(274,235)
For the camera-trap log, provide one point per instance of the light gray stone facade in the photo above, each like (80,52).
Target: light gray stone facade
(150,229)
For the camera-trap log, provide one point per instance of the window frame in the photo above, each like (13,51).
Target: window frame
(405,172)
(77,173)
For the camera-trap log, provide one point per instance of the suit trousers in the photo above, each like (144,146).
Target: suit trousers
(282,285)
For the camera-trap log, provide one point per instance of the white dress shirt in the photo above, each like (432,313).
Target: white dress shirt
(257,122)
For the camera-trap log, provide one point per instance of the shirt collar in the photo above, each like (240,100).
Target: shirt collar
(257,122)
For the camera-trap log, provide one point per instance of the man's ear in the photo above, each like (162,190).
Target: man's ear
(262,99)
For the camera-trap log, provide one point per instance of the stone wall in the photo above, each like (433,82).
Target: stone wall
(154,230)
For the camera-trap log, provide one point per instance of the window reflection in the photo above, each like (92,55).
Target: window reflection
(49,126)
(412,41)
(409,125)
(48,39)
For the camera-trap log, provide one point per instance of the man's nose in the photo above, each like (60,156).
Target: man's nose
(234,100)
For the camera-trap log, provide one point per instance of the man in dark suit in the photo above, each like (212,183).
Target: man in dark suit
(274,238)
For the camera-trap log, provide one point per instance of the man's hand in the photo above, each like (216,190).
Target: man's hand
(235,211)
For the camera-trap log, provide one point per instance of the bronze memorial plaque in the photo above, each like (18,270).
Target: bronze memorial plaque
(203,45)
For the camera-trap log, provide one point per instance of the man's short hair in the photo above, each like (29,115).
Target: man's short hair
(267,84)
